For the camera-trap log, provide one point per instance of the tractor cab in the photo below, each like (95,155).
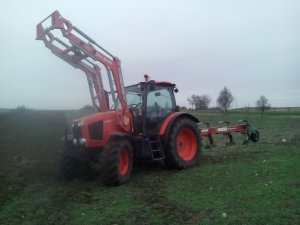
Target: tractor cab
(150,102)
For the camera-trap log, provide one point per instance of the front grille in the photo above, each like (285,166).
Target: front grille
(96,130)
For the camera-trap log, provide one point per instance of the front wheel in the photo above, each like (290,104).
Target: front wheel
(117,161)
(184,145)
(72,163)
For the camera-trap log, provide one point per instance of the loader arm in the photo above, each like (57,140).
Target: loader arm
(79,50)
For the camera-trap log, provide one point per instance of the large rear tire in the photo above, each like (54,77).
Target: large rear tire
(117,161)
(184,145)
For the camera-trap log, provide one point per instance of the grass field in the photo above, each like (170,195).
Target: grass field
(257,183)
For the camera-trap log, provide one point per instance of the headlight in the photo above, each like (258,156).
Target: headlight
(82,141)
(74,141)
(78,123)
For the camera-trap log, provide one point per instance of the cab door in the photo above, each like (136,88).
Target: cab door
(160,104)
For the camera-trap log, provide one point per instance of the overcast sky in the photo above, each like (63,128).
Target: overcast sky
(251,47)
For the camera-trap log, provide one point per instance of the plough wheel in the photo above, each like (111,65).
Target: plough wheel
(254,135)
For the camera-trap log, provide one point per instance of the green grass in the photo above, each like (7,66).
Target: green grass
(242,184)
(260,188)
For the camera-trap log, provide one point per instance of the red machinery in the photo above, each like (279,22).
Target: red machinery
(141,121)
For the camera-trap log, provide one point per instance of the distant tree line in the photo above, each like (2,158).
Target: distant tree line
(201,102)
(21,108)
(224,101)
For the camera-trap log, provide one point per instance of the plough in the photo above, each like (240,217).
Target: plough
(244,127)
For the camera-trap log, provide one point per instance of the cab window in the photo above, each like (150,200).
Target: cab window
(159,103)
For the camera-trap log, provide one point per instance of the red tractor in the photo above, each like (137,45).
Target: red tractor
(141,121)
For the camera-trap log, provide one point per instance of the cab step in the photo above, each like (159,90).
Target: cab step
(155,147)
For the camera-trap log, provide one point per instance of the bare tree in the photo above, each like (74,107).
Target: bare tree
(200,102)
(225,99)
(193,101)
(262,104)
(204,101)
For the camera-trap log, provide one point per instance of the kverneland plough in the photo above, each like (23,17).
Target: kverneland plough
(244,127)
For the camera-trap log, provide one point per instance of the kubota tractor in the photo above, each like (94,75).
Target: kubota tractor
(141,121)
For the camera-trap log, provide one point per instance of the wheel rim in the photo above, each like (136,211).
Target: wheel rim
(186,144)
(124,162)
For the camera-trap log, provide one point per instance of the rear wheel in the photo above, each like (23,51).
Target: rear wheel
(184,145)
(117,161)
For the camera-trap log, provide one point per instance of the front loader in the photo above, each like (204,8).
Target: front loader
(140,121)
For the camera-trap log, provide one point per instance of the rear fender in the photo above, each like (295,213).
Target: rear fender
(167,125)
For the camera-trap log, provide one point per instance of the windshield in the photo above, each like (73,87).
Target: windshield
(133,95)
